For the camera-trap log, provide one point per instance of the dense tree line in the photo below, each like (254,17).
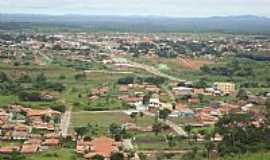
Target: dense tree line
(170,49)
(140,80)
(240,135)
(251,73)
(7,85)
(28,92)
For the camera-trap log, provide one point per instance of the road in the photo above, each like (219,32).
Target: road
(107,72)
(65,120)
(169,92)
(108,111)
(178,129)
(164,151)
(154,71)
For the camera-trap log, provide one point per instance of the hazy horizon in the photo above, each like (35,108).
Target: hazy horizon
(167,8)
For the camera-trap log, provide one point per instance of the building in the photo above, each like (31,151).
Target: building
(29,148)
(225,88)
(183,91)
(103,146)
(154,103)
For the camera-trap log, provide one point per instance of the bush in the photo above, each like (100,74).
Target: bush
(59,107)
(29,96)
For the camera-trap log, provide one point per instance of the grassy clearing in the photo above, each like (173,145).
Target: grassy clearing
(5,100)
(250,156)
(150,141)
(59,154)
(104,119)
(10,143)
(101,120)
(107,118)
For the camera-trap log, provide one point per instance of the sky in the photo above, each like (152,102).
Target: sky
(171,8)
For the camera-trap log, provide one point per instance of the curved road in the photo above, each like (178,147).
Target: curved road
(154,71)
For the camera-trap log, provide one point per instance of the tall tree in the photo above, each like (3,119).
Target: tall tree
(81,131)
(188,129)
(98,157)
(117,156)
(242,94)
(171,140)
(164,113)
(116,131)
(157,127)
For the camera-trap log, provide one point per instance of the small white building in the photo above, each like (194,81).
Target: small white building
(182,91)
(154,103)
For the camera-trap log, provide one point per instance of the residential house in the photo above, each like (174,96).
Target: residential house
(29,148)
(152,89)
(103,146)
(100,91)
(257,100)
(21,132)
(206,119)
(6,131)
(130,99)
(51,142)
(182,91)
(83,147)
(197,91)
(154,103)
(4,116)
(124,89)
(185,112)
(8,150)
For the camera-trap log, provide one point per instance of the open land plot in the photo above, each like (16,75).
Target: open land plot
(76,92)
(7,99)
(105,119)
(59,154)
(250,156)
(150,141)
(10,143)
(175,63)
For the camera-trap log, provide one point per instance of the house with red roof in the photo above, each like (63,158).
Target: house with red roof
(103,146)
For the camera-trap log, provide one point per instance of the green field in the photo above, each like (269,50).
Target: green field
(250,156)
(76,92)
(104,119)
(150,141)
(59,154)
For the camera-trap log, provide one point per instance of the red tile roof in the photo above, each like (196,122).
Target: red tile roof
(52,142)
(7,150)
(103,146)
(29,148)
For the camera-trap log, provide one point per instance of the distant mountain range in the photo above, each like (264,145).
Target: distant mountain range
(231,24)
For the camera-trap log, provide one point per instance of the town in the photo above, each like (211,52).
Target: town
(132,95)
